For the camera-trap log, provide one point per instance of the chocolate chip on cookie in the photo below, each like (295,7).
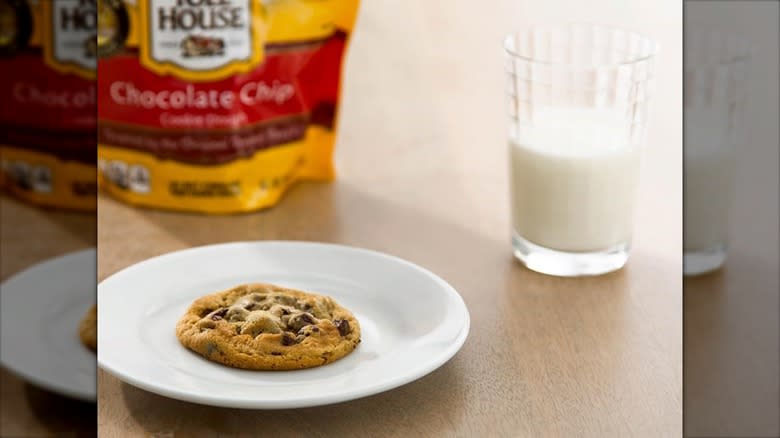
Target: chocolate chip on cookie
(219,314)
(288,338)
(343,326)
(299,320)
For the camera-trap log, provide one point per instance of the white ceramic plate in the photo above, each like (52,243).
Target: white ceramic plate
(411,322)
(40,311)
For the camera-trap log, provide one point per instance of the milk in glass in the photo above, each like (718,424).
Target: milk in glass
(708,178)
(574,177)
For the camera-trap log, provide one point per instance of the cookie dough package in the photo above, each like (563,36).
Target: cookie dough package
(48,102)
(217,106)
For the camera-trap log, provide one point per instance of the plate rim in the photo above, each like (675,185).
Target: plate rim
(312,401)
(22,373)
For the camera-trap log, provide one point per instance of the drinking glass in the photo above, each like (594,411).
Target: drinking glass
(715,96)
(578,105)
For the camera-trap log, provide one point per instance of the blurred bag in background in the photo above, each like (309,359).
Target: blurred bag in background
(47,115)
(217,106)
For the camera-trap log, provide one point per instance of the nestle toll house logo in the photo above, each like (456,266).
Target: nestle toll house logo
(113,27)
(201,39)
(15,26)
(70,36)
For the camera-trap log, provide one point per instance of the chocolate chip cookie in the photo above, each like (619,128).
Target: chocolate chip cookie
(88,329)
(267,327)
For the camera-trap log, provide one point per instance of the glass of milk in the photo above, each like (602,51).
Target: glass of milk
(715,96)
(578,102)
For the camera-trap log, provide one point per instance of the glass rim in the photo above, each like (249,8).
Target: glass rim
(744,55)
(654,47)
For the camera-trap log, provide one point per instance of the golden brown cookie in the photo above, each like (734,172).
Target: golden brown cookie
(88,329)
(267,327)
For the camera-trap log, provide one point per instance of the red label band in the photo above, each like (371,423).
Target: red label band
(35,95)
(205,147)
(288,82)
(65,145)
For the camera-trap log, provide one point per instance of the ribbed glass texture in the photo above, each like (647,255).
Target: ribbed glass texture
(582,66)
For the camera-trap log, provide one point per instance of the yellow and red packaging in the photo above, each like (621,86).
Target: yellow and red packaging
(48,110)
(217,106)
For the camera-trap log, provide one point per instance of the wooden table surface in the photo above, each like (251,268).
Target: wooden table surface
(732,323)
(422,168)
(31,235)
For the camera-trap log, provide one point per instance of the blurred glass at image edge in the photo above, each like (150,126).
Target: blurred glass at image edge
(731,375)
